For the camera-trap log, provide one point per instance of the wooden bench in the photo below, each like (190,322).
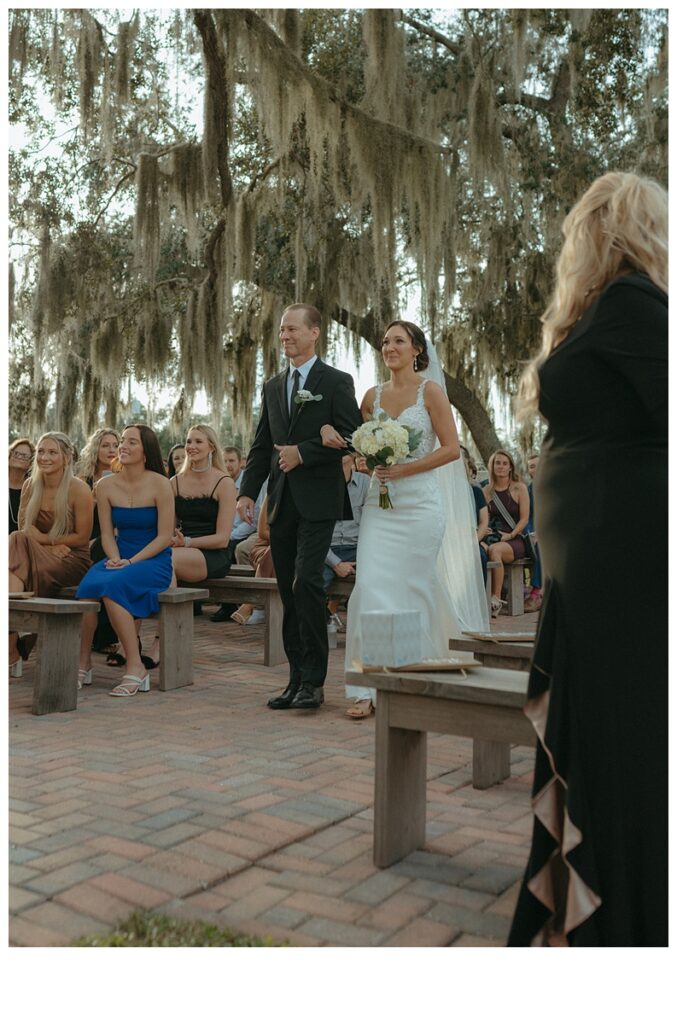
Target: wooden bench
(261,591)
(486,706)
(57,623)
(513,582)
(497,655)
(175,621)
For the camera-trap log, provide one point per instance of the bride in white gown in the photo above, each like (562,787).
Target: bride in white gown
(423,552)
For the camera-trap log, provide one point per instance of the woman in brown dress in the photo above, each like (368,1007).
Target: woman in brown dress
(50,549)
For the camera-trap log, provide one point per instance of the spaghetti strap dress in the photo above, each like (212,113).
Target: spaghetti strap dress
(197,518)
(134,587)
(498,522)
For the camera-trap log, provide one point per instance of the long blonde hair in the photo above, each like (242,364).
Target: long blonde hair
(89,456)
(217,454)
(36,487)
(619,225)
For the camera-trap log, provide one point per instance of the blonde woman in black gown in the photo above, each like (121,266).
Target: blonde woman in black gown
(597,872)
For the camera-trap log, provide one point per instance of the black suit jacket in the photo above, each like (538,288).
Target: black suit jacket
(317,486)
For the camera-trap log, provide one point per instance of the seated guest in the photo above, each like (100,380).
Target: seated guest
(98,458)
(234,463)
(21,454)
(50,550)
(504,543)
(481,508)
(137,502)
(204,506)
(340,560)
(175,458)
(262,560)
(533,601)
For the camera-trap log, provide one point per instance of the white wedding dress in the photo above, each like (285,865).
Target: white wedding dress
(397,553)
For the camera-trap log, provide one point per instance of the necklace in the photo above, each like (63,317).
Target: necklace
(205,470)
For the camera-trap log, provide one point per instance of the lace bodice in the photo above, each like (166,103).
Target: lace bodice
(415,416)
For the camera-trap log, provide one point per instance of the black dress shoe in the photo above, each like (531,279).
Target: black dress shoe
(224,613)
(308,698)
(285,699)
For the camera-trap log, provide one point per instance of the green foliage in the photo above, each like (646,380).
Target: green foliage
(143,928)
(361,154)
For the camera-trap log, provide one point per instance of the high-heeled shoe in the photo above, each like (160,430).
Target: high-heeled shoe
(130,689)
(496,605)
(242,619)
(84,677)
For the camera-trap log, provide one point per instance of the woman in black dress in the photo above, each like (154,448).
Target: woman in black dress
(21,454)
(204,502)
(597,872)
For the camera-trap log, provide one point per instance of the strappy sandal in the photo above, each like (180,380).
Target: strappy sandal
(496,605)
(242,619)
(131,689)
(360,709)
(84,677)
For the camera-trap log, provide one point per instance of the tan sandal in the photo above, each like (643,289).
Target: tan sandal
(360,709)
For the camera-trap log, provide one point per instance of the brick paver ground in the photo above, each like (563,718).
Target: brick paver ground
(204,803)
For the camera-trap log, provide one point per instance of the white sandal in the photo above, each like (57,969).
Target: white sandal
(360,709)
(496,605)
(131,689)
(84,677)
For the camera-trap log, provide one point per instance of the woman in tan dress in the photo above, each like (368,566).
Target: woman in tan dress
(50,549)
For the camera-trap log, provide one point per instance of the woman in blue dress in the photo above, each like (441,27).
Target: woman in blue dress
(137,502)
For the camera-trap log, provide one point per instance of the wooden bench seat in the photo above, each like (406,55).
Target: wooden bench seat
(175,622)
(261,591)
(57,623)
(496,655)
(513,582)
(486,706)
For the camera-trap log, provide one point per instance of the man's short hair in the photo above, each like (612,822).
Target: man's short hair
(532,455)
(311,314)
(233,448)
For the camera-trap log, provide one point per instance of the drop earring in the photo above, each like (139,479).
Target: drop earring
(415,364)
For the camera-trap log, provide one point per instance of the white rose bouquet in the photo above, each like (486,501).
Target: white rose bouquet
(382,442)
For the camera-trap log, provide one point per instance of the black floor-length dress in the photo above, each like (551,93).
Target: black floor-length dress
(598,694)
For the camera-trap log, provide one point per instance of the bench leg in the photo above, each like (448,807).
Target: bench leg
(490,763)
(273,648)
(176,645)
(57,658)
(515,581)
(399,789)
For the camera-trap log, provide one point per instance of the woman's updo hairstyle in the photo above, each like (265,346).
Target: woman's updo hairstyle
(418,340)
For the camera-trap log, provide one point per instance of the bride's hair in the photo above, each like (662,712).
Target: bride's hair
(620,225)
(418,340)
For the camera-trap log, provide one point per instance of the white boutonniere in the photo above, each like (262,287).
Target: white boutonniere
(302,396)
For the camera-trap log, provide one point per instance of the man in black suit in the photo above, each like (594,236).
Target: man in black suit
(306,493)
